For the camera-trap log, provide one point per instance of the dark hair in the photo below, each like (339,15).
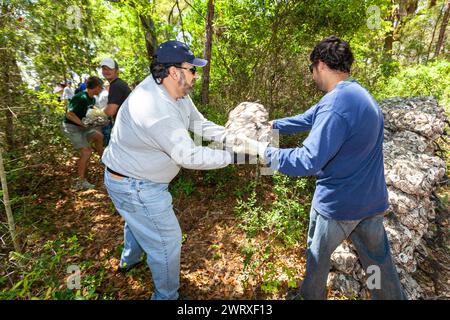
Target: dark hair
(160,70)
(93,82)
(334,52)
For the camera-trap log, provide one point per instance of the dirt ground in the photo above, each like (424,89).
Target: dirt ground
(213,259)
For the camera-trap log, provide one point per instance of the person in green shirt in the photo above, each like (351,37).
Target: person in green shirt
(80,135)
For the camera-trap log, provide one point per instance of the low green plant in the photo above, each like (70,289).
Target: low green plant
(216,254)
(432,79)
(183,185)
(43,275)
(286,218)
(271,283)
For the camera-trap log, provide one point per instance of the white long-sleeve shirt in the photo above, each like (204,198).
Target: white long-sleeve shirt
(150,139)
(68,93)
(101,100)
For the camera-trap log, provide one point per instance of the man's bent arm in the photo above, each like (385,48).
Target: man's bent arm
(74,118)
(177,143)
(111,109)
(324,141)
(301,122)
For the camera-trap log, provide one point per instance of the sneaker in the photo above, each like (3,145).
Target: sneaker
(180,297)
(294,296)
(125,269)
(84,184)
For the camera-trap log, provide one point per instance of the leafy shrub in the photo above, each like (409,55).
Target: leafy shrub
(43,275)
(184,185)
(432,79)
(286,218)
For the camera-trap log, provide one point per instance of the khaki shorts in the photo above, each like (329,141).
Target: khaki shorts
(78,135)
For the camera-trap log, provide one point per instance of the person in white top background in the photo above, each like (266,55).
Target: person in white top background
(101,101)
(68,91)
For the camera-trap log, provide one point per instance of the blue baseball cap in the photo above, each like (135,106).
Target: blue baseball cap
(177,52)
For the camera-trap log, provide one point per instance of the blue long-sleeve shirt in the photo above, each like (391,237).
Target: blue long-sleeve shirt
(344,150)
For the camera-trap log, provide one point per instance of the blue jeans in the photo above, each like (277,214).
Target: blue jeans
(151,227)
(106,131)
(370,240)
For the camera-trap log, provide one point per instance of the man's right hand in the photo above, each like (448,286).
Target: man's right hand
(74,118)
(250,146)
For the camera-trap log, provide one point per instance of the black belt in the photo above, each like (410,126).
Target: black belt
(116,173)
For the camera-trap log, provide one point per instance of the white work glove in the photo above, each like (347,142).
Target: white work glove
(250,146)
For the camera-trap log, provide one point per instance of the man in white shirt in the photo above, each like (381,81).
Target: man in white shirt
(149,144)
(101,100)
(68,92)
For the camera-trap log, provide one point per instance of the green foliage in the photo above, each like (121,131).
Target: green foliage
(221,180)
(260,52)
(250,212)
(389,67)
(44,275)
(37,132)
(63,44)
(248,252)
(216,254)
(432,79)
(122,38)
(285,218)
(271,283)
(244,189)
(214,114)
(261,48)
(262,257)
(184,185)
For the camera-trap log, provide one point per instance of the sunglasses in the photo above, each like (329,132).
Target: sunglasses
(193,70)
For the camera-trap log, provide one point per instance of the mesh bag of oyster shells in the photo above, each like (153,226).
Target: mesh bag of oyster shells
(95,118)
(421,115)
(250,119)
(412,172)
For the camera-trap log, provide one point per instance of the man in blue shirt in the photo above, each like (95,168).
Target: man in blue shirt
(344,150)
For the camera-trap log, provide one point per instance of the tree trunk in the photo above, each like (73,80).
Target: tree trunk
(149,26)
(150,35)
(444,25)
(8,73)
(404,11)
(388,42)
(389,37)
(8,81)
(207,52)
(9,129)
(411,7)
(7,77)
(9,215)
(432,35)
